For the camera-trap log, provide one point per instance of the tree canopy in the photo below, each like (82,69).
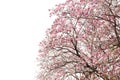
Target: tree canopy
(83,42)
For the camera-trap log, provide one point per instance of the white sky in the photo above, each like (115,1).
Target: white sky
(22,26)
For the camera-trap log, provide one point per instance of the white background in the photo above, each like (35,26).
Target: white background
(22,27)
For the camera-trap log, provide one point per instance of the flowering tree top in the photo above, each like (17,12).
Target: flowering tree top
(83,42)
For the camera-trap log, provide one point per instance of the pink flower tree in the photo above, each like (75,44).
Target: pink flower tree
(83,43)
